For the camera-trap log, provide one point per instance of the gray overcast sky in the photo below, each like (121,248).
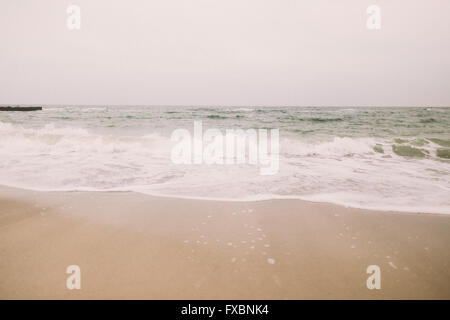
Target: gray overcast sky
(225,52)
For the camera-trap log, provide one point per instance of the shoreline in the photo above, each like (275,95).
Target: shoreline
(135,246)
(229,200)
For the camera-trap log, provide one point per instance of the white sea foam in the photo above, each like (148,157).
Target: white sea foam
(243,109)
(339,170)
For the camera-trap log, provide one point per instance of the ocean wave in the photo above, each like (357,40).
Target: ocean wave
(216,117)
(243,110)
(374,173)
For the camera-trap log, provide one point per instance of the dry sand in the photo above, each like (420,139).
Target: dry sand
(135,246)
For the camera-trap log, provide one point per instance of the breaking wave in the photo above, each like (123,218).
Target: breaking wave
(406,174)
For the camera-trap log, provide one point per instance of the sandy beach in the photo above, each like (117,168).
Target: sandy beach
(226,150)
(134,246)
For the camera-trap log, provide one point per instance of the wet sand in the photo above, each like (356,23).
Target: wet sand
(134,246)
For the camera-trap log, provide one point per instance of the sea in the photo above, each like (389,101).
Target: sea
(383,158)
